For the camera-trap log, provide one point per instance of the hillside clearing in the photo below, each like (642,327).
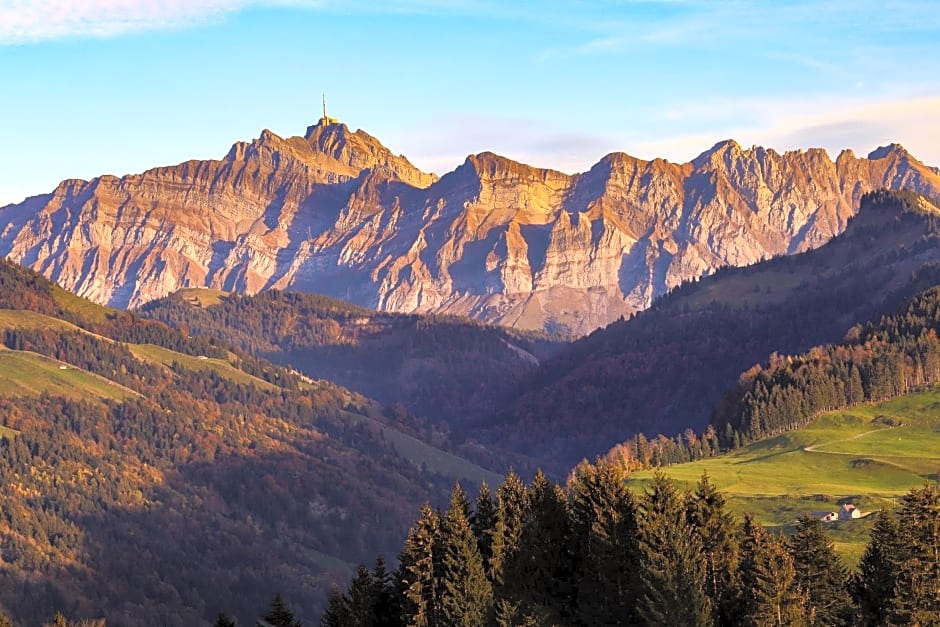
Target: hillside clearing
(29,374)
(846,456)
(166,357)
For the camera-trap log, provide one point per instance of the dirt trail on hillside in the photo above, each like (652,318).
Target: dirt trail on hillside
(812,449)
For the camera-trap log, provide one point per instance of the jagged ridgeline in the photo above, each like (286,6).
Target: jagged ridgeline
(335,212)
(665,370)
(596,553)
(879,360)
(154,478)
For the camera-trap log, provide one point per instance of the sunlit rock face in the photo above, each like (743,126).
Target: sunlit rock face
(336,212)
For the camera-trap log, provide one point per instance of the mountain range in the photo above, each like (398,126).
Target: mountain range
(538,403)
(337,213)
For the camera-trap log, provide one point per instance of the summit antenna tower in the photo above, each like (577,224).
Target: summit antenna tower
(325,120)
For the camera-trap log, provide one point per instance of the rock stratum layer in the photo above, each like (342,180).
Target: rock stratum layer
(335,212)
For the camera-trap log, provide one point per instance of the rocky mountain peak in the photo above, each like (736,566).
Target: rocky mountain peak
(361,151)
(723,152)
(891,150)
(491,167)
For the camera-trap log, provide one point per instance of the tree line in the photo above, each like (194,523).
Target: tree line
(597,553)
(877,361)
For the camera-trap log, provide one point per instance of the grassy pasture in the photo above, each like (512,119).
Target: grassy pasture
(32,321)
(868,455)
(159,355)
(435,459)
(30,374)
(202,296)
(76,304)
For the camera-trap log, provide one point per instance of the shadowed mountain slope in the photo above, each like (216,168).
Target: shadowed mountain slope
(664,370)
(449,370)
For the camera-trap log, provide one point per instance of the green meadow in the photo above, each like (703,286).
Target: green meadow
(29,374)
(868,455)
(166,357)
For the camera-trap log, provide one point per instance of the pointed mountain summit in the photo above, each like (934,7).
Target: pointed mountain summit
(334,211)
(891,150)
(362,151)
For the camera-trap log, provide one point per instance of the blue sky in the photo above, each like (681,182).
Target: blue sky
(117,86)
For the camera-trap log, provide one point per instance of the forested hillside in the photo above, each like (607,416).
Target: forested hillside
(877,361)
(154,478)
(665,369)
(448,370)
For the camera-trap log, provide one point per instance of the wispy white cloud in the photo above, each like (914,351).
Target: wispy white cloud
(27,21)
(790,29)
(23,21)
(834,124)
(441,144)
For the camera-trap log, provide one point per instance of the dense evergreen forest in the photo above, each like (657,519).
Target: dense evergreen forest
(876,361)
(595,553)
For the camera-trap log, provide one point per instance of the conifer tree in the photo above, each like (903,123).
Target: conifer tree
(715,526)
(604,537)
(361,598)
(874,584)
(511,505)
(539,575)
(820,574)
(337,612)
(769,593)
(222,620)
(917,601)
(386,609)
(278,615)
(417,571)
(672,573)
(466,593)
(506,613)
(483,522)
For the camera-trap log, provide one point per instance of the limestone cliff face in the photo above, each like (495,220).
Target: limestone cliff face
(336,212)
